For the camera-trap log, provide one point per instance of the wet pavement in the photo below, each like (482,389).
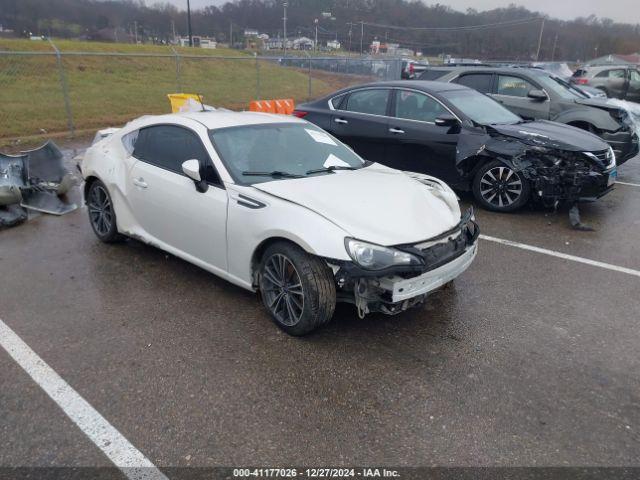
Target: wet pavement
(528,360)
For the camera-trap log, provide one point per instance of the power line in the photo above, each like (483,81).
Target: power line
(468,27)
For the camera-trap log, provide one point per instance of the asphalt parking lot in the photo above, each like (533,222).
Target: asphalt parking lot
(530,360)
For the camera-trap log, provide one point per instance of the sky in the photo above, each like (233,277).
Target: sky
(627,11)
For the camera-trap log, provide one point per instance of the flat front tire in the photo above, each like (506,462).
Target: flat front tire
(297,289)
(499,188)
(102,215)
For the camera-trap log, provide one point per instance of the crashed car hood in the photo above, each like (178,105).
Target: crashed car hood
(598,102)
(552,135)
(374,204)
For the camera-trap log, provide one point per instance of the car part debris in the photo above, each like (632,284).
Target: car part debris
(576,223)
(36,180)
(12,215)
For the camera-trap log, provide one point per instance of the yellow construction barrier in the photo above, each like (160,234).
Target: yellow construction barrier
(178,100)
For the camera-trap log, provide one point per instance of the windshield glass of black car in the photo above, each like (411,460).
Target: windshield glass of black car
(292,149)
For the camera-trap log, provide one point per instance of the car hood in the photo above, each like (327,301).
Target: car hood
(553,135)
(375,204)
(597,102)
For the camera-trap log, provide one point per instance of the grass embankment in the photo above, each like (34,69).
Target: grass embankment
(110,89)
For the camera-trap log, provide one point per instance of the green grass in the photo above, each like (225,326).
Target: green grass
(110,90)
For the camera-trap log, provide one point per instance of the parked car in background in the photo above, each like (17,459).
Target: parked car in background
(622,82)
(412,69)
(468,140)
(274,204)
(535,94)
(562,70)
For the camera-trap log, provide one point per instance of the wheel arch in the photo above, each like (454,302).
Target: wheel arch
(87,185)
(258,252)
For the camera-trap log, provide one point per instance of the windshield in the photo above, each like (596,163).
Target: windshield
(480,108)
(561,69)
(262,153)
(559,87)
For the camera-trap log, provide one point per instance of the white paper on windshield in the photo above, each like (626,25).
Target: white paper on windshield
(320,137)
(333,161)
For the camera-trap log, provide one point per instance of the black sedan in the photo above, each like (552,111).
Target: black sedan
(468,140)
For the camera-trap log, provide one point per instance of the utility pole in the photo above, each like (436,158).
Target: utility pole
(284,28)
(350,35)
(189,23)
(316,44)
(555,44)
(230,34)
(135,26)
(173,29)
(540,39)
(361,35)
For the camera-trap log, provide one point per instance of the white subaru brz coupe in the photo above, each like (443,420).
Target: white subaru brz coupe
(275,204)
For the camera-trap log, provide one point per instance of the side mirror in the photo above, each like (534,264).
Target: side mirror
(191,169)
(539,95)
(446,120)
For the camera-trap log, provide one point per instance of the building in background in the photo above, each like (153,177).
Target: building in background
(333,45)
(303,43)
(198,42)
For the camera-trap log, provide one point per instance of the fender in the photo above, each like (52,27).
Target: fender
(594,116)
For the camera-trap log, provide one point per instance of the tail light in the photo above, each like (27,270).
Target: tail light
(581,81)
(300,113)
(412,69)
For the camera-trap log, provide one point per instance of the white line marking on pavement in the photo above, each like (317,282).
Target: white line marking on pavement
(565,256)
(627,183)
(124,455)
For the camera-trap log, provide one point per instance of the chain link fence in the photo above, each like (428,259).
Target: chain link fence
(56,92)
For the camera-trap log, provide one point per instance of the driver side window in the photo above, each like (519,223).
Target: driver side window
(514,86)
(417,106)
(168,146)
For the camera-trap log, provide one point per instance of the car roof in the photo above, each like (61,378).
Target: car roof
(487,68)
(220,118)
(426,85)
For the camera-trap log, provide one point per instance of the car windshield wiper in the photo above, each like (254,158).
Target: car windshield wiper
(274,174)
(331,168)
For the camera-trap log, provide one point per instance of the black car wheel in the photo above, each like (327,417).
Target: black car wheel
(297,289)
(499,188)
(102,216)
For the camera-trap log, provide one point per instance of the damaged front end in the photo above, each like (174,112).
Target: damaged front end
(411,271)
(34,180)
(557,171)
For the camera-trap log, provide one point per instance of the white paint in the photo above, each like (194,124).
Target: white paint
(564,256)
(117,448)
(618,182)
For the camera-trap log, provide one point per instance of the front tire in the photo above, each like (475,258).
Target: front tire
(298,289)
(499,188)
(102,215)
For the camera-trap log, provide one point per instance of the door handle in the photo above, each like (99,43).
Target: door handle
(340,120)
(396,130)
(139,182)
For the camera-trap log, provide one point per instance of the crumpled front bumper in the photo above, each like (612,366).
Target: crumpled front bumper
(396,289)
(404,289)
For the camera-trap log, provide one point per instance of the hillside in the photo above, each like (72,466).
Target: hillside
(118,82)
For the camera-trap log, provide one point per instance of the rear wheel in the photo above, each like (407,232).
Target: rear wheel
(102,215)
(297,289)
(499,188)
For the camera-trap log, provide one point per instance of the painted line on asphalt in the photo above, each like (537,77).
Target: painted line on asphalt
(627,183)
(564,256)
(112,443)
